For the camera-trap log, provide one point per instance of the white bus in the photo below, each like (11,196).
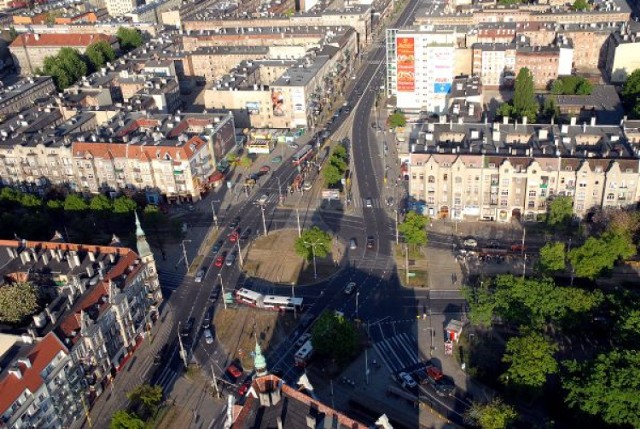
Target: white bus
(302,356)
(250,297)
(282,303)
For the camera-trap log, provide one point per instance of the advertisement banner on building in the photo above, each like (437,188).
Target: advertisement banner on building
(441,88)
(406,64)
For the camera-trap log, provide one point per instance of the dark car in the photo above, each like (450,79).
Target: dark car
(235,222)
(217,246)
(370,242)
(162,352)
(246,234)
(187,327)
(215,293)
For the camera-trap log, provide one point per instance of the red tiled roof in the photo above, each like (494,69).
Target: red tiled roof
(40,356)
(120,150)
(61,40)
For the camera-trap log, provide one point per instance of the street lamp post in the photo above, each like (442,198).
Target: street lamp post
(215,218)
(357,296)
(224,301)
(239,253)
(313,252)
(264,222)
(184,254)
(279,190)
(183,352)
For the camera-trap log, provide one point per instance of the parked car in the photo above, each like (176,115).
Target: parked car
(293,145)
(217,246)
(246,234)
(244,387)
(234,371)
(351,286)
(370,242)
(231,259)
(307,185)
(303,339)
(353,245)
(235,222)
(276,160)
(199,276)
(368,203)
(215,294)
(158,356)
(265,169)
(233,237)
(406,380)
(470,242)
(208,336)
(187,327)
(220,259)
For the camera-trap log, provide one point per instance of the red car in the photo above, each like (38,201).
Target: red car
(233,371)
(242,390)
(233,237)
(434,373)
(220,259)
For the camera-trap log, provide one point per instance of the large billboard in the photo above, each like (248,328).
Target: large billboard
(405,51)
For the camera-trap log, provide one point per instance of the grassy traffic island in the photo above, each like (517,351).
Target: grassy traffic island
(417,264)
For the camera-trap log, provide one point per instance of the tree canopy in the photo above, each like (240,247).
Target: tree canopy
(65,67)
(98,54)
(337,165)
(571,85)
(607,387)
(552,257)
(124,204)
(129,38)
(313,240)
(146,397)
(581,5)
(631,94)
(125,420)
(397,119)
(524,99)
(493,415)
(18,301)
(334,336)
(560,211)
(75,203)
(600,253)
(530,360)
(413,228)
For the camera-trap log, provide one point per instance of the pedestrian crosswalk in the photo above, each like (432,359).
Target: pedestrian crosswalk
(398,352)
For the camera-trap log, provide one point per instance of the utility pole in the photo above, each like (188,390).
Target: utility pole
(184,254)
(299,229)
(406,258)
(280,199)
(264,222)
(397,232)
(313,251)
(357,296)
(183,353)
(215,218)
(524,266)
(293,295)
(239,253)
(524,234)
(214,382)
(366,365)
(224,301)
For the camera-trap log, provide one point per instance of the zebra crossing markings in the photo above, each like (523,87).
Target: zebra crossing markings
(398,352)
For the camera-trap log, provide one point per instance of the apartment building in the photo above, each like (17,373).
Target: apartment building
(24,93)
(420,68)
(495,64)
(120,7)
(30,49)
(508,170)
(103,300)
(41,387)
(152,11)
(622,53)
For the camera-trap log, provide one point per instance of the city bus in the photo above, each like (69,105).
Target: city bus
(250,297)
(303,154)
(302,356)
(282,303)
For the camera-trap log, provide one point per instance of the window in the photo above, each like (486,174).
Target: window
(413,176)
(532,194)
(421,176)
(458,179)
(445,177)
(582,184)
(531,204)
(610,197)
(431,179)
(579,207)
(430,200)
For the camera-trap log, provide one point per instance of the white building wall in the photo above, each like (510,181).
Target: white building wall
(565,61)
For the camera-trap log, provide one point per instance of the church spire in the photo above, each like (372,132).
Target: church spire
(142,245)
(259,361)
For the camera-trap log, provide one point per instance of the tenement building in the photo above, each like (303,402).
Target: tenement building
(504,170)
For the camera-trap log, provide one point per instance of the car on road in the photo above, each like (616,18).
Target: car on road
(187,327)
(220,259)
(326,134)
(246,234)
(158,356)
(231,259)
(199,276)
(217,246)
(276,160)
(208,336)
(293,145)
(347,109)
(470,242)
(406,380)
(234,371)
(303,339)
(235,222)
(307,185)
(370,242)
(353,244)
(265,169)
(244,387)
(233,237)
(215,294)
(351,286)
(368,203)
(206,321)
(263,199)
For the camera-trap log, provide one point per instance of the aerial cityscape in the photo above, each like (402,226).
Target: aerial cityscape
(319,214)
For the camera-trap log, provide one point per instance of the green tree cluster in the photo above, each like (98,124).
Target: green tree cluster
(129,38)
(600,253)
(313,240)
(413,229)
(524,102)
(492,415)
(397,119)
(335,337)
(560,212)
(337,165)
(631,94)
(531,360)
(146,398)
(68,65)
(123,419)
(18,301)
(98,54)
(581,5)
(571,85)
(552,257)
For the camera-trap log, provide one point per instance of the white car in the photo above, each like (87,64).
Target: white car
(303,339)
(208,336)
(263,199)
(199,276)
(368,203)
(470,242)
(351,286)
(406,380)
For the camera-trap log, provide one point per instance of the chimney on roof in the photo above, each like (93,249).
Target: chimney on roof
(593,121)
(25,361)
(524,121)
(36,36)
(52,316)
(505,120)
(16,371)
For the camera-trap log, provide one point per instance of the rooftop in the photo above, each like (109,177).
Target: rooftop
(63,40)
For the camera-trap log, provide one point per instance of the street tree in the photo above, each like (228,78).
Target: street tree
(580,5)
(413,229)
(524,97)
(606,387)
(531,359)
(100,204)
(331,174)
(146,397)
(30,201)
(631,92)
(129,38)
(123,419)
(397,119)
(599,254)
(492,415)
(504,110)
(313,240)
(334,336)
(18,301)
(75,203)
(481,304)
(124,204)
(340,152)
(73,63)
(245,162)
(560,211)
(571,85)
(552,257)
